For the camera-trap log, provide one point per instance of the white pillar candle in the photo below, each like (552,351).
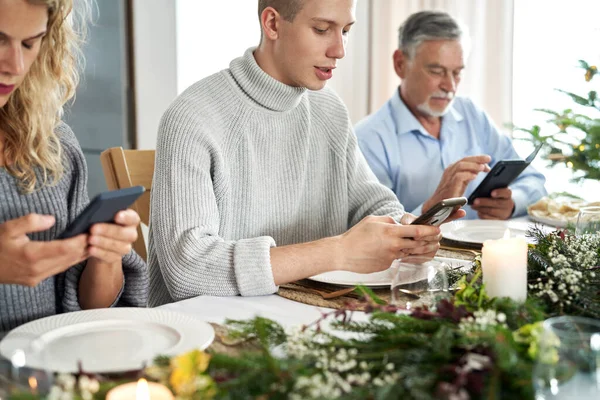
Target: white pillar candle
(504,266)
(140,390)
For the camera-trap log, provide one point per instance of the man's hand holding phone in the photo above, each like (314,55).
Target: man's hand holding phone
(456,178)
(376,241)
(500,206)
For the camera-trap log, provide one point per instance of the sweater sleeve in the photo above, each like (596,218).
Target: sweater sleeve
(192,257)
(367,196)
(134,292)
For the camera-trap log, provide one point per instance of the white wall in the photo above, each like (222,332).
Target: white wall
(155,65)
(212,33)
(353,70)
(178,42)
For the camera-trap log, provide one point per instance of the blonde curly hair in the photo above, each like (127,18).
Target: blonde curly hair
(35,109)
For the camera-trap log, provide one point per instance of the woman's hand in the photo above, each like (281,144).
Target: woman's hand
(27,262)
(102,278)
(109,242)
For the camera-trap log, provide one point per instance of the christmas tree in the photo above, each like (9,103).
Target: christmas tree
(576,140)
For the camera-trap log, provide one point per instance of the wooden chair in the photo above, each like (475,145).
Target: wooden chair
(127,168)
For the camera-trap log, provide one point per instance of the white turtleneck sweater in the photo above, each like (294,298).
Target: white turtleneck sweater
(244,163)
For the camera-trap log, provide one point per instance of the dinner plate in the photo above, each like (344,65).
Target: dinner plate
(107,340)
(376,279)
(558,223)
(478,231)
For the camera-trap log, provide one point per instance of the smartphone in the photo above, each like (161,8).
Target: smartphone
(502,175)
(437,214)
(102,208)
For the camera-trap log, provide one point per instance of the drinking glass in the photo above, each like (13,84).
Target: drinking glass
(16,371)
(588,220)
(418,281)
(568,363)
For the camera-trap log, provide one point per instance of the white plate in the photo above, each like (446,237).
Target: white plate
(106,340)
(558,223)
(376,279)
(478,231)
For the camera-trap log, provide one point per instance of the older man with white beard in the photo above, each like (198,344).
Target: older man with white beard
(425,143)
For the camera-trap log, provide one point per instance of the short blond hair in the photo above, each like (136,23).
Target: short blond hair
(35,109)
(288,9)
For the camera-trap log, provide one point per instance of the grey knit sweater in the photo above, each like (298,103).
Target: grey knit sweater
(244,163)
(65,200)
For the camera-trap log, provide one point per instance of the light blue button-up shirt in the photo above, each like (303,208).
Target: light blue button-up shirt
(408,160)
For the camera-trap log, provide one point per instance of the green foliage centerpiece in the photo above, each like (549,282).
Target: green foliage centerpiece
(469,347)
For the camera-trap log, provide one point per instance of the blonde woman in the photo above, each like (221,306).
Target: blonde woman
(43,179)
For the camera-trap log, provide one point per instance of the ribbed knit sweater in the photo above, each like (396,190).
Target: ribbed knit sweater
(244,163)
(65,200)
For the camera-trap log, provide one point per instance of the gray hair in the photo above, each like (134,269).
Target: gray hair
(428,25)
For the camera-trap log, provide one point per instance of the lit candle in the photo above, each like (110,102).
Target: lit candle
(140,390)
(504,265)
(33,384)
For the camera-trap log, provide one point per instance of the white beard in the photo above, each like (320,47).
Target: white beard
(426,109)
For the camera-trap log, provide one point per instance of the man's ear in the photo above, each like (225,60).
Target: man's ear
(400,63)
(270,23)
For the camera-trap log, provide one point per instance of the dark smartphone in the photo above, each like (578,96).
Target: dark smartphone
(502,175)
(437,214)
(102,208)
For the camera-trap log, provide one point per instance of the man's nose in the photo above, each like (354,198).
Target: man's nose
(449,83)
(338,47)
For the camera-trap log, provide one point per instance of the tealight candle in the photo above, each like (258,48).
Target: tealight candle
(140,390)
(504,265)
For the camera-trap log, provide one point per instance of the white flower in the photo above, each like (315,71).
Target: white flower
(67,381)
(378,382)
(501,317)
(476,362)
(55,393)
(84,383)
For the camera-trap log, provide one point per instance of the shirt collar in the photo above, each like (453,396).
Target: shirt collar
(406,122)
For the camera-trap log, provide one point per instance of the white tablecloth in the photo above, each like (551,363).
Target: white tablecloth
(286,312)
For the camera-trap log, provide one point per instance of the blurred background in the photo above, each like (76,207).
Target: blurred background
(143,53)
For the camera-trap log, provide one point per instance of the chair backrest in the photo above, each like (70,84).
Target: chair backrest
(127,168)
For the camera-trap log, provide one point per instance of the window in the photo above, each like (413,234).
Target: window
(550,36)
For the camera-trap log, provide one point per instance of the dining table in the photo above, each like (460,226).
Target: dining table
(285,311)
(290,307)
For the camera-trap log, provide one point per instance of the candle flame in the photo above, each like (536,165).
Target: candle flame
(142,391)
(507,234)
(33,383)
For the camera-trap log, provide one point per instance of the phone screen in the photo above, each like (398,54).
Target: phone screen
(437,214)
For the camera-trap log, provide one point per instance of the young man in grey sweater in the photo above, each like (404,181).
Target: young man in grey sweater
(259,180)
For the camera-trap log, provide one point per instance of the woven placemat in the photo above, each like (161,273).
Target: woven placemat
(297,293)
